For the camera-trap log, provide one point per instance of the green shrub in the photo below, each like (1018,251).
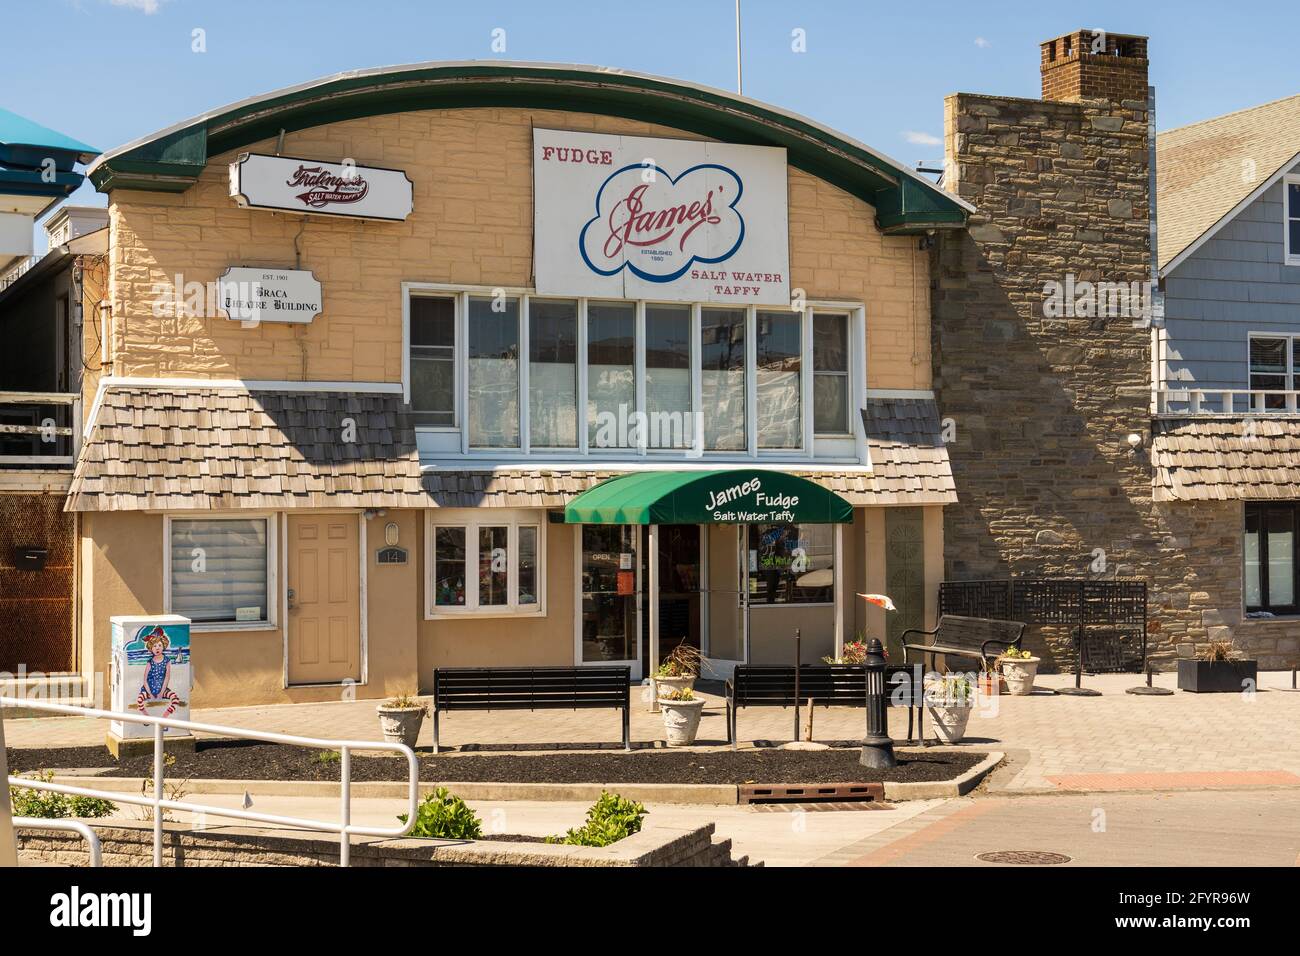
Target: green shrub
(443,816)
(610,819)
(46,805)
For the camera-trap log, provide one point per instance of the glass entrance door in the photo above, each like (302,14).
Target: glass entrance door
(679,591)
(609,573)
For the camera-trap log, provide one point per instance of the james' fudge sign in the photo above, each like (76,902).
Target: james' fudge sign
(317,188)
(634,217)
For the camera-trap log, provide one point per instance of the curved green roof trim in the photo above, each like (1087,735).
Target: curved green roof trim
(172,159)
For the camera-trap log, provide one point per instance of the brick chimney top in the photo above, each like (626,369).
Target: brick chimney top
(1091,64)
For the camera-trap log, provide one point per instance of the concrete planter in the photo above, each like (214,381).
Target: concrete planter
(666,685)
(1019,673)
(681,720)
(949,721)
(400,725)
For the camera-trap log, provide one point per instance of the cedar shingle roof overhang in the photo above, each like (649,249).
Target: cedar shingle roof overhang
(172,159)
(1220,459)
(212,448)
(207,449)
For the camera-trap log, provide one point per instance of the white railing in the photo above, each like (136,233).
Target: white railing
(344,826)
(1226,401)
(71,431)
(70,826)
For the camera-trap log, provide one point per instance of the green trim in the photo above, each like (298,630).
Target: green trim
(733,496)
(175,160)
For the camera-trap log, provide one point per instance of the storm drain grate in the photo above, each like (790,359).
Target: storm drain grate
(821,807)
(810,792)
(1023,857)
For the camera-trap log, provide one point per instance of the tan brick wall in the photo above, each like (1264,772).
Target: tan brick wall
(472,225)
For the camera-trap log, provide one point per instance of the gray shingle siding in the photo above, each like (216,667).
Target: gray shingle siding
(1234,284)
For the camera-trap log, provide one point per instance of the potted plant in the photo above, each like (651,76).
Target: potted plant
(400,718)
(854,652)
(681,710)
(949,701)
(679,670)
(1019,668)
(1217,671)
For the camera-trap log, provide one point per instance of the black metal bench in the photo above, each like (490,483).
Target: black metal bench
(532,688)
(830,685)
(969,637)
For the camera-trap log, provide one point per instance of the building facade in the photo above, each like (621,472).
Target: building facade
(370,340)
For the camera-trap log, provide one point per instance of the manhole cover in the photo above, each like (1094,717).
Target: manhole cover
(1023,857)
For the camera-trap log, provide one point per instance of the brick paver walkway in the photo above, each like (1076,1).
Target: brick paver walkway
(1052,739)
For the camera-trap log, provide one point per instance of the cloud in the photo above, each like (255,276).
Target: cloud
(917,138)
(147,7)
(982,43)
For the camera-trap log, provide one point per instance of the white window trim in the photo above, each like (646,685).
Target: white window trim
(272,571)
(1290,256)
(471,519)
(408,291)
(855,313)
(853,386)
(1291,372)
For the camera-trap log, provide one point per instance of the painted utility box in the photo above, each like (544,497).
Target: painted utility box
(150,672)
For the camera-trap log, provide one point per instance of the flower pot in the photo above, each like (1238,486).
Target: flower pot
(949,721)
(1217,677)
(400,725)
(666,685)
(1019,673)
(681,720)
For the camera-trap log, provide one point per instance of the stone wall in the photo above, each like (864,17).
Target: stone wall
(1043,406)
(131,844)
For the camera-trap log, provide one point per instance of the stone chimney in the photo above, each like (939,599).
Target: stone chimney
(1094,65)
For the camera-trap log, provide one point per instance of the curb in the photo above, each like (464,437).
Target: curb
(938,789)
(700,794)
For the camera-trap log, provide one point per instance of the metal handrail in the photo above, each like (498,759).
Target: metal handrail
(344,827)
(71,826)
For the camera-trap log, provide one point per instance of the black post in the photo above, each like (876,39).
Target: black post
(798,661)
(877,746)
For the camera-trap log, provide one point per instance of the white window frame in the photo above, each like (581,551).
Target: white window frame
(846,316)
(272,570)
(1291,371)
(409,290)
(471,519)
(854,314)
(1290,256)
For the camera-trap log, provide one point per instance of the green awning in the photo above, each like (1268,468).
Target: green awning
(732,496)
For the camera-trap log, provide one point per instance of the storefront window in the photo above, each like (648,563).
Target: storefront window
(433,360)
(611,372)
(493,566)
(493,372)
(791,564)
(1270,557)
(486,563)
(722,379)
(219,569)
(527,565)
(778,349)
(449,567)
(552,373)
(668,376)
(608,593)
(830,374)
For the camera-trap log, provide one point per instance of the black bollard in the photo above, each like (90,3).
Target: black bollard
(877,746)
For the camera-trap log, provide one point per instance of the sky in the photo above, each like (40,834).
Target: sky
(109,71)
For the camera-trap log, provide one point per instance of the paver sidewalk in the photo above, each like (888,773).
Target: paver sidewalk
(1054,740)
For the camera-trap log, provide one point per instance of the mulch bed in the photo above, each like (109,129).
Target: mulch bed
(250,760)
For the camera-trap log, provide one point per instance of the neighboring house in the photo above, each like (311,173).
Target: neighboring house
(492,273)
(45,302)
(1227,427)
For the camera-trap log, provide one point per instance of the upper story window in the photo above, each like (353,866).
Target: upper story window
(1291,218)
(1272,367)
(526,374)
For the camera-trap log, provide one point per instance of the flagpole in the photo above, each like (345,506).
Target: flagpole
(740,87)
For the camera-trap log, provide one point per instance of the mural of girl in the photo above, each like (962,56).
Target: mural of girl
(157,675)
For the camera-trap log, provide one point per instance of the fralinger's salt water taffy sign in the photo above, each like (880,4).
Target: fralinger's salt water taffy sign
(661,219)
(318,188)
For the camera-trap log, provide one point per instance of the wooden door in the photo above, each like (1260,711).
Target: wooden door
(324,599)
